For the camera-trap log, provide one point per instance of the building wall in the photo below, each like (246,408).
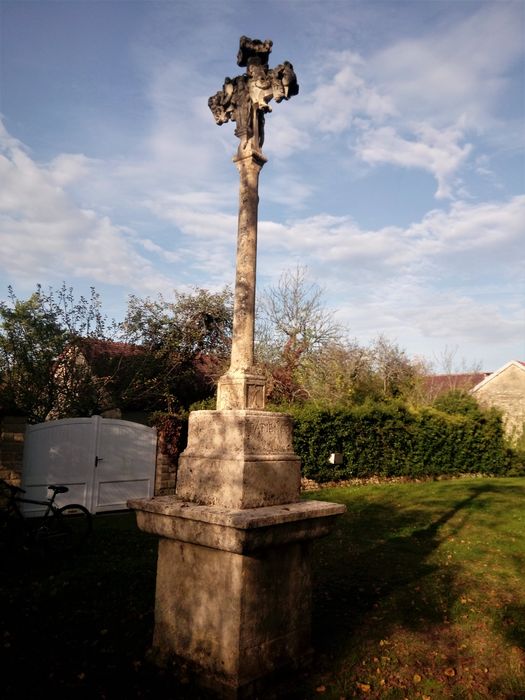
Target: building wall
(506,391)
(12,431)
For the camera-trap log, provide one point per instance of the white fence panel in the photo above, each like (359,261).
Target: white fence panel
(103,462)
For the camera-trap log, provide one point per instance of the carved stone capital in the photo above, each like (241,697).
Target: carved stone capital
(241,390)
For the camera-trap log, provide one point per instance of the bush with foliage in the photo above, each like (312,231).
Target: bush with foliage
(389,439)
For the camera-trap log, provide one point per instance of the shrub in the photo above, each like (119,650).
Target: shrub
(460,402)
(389,439)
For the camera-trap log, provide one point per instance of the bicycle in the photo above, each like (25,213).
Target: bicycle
(59,529)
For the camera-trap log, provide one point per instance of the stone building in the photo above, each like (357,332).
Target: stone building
(505,390)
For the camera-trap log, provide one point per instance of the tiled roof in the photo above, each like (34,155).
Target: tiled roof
(439,383)
(95,349)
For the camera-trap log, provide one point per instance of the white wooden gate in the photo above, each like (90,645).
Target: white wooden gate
(103,462)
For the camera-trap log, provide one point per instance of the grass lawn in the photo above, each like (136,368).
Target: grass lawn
(419,593)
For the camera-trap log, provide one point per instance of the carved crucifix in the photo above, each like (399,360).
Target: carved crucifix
(245,100)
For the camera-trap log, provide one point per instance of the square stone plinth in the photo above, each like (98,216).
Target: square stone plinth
(233,597)
(239,459)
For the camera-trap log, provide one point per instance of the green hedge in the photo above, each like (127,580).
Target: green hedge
(392,440)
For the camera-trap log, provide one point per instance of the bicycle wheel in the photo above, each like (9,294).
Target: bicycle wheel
(76,521)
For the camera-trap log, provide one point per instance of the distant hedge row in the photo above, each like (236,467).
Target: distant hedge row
(393,440)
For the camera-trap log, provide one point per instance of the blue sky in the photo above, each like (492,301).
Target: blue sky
(396,176)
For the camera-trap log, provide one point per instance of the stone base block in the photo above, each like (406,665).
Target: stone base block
(236,618)
(233,598)
(239,459)
(238,483)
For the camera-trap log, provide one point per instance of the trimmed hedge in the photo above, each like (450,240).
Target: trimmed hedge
(393,440)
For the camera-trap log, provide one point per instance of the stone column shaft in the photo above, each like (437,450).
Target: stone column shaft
(241,388)
(246,263)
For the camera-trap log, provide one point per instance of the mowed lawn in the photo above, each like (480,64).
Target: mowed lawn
(418,593)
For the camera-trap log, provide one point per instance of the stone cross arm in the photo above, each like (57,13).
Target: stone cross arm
(245,99)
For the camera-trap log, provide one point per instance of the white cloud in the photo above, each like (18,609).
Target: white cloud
(453,69)
(429,280)
(68,168)
(196,214)
(437,151)
(337,100)
(45,234)
(420,102)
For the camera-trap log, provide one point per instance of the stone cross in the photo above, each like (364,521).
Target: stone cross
(233,596)
(245,101)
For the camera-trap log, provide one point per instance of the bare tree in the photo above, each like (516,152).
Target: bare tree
(293,323)
(294,313)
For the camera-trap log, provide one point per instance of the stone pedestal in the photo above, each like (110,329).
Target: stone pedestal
(239,459)
(233,599)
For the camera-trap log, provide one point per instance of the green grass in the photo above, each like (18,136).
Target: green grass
(418,593)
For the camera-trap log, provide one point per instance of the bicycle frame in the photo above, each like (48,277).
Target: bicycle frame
(65,527)
(48,502)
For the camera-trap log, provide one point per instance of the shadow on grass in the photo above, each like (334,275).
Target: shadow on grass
(390,581)
(81,627)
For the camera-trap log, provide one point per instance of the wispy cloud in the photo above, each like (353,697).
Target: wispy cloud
(44,233)
(453,70)
(437,151)
(388,280)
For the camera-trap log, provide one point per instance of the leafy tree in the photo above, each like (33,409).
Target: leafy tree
(187,340)
(395,374)
(338,374)
(39,375)
(458,401)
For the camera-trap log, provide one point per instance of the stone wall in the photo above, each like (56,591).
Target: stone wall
(12,431)
(505,390)
(165,471)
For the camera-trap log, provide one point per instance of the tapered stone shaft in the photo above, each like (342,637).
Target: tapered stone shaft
(244,303)
(241,387)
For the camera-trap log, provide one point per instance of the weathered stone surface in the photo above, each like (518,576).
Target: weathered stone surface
(239,433)
(233,586)
(245,100)
(505,390)
(239,531)
(237,618)
(239,459)
(241,389)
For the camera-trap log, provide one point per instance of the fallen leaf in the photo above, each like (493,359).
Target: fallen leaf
(320,689)
(450,672)
(365,687)
(416,678)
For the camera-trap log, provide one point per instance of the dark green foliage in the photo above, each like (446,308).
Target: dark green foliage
(458,401)
(187,341)
(389,439)
(38,372)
